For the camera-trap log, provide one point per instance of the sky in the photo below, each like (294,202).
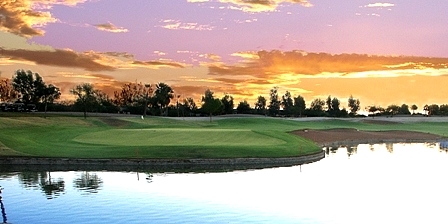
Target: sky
(381,52)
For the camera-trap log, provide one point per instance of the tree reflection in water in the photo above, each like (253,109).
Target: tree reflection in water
(149,177)
(390,147)
(351,150)
(88,183)
(51,187)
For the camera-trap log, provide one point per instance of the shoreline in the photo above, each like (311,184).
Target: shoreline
(17,164)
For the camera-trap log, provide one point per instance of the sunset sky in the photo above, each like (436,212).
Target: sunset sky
(383,53)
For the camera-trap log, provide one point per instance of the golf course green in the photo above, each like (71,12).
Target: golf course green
(32,135)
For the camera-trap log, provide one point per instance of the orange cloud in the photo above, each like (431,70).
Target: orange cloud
(64,58)
(157,64)
(263,5)
(24,17)
(109,27)
(271,64)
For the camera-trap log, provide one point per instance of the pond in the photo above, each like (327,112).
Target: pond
(380,183)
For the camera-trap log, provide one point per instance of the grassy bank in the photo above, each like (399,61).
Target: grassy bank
(155,137)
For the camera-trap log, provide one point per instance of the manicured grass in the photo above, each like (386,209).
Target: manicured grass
(155,137)
(179,137)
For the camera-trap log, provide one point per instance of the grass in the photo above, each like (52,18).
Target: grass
(155,137)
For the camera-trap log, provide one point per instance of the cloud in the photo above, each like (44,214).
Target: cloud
(109,27)
(177,25)
(89,61)
(379,5)
(272,64)
(13,41)
(26,17)
(63,58)
(158,64)
(263,5)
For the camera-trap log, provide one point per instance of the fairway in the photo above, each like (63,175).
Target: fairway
(178,137)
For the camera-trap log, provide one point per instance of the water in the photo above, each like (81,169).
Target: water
(382,183)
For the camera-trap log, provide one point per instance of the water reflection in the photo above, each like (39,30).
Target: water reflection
(390,147)
(88,183)
(52,188)
(380,183)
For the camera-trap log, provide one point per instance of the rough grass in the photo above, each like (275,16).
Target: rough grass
(154,137)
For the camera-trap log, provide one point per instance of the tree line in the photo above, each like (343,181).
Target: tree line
(160,100)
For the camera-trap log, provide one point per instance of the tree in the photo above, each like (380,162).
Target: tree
(335,111)
(130,94)
(414,108)
(243,107)
(404,109)
(260,105)
(274,103)
(30,85)
(134,96)
(328,103)
(426,109)
(7,92)
(354,105)
(163,95)
(374,109)
(287,103)
(189,105)
(317,107)
(433,109)
(49,94)
(227,102)
(210,105)
(393,109)
(443,109)
(333,106)
(299,105)
(86,96)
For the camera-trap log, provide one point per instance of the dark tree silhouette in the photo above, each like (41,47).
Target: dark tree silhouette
(299,105)
(86,96)
(49,94)
(260,105)
(210,104)
(162,96)
(243,107)
(29,85)
(287,103)
(274,102)
(227,102)
(414,108)
(354,105)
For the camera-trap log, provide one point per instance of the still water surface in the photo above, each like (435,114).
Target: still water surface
(381,183)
